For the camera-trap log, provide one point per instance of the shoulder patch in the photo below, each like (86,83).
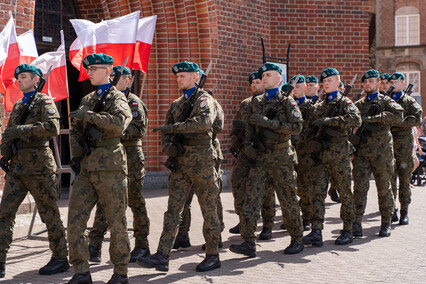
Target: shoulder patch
(51,111)
(203,98)
(293,103)
(349,102)
(135,114)
(413,100)
(352,108)
(296,114)
(203,104)
(135,103)
(123,99)
(124,106)
(48,102)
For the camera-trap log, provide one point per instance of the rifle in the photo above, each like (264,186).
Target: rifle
(128,88)
(359,135)
(359,96)
(270,114)
(4,161)
(307,109)
(178,138)
(410,87)
(91,129)
(333,112)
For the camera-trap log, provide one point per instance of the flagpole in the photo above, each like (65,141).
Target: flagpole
(143,83)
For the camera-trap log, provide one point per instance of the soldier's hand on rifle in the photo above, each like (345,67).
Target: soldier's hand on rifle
(372,119)
(261,121)
(170,128)
(17,131)
(79,114)
(6,151)
(239,124)
(235,144)
(250,152)
(171,151)
(322,121)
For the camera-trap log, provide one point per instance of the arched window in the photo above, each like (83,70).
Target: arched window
(407,26)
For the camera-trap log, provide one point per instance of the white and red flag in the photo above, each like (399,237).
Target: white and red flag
(57,83)
(116,37)
(146,29)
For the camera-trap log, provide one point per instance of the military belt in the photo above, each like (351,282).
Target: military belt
(336,139)
(402,133)
(104,143)
(283,145)
(132,143)
(21,144)
(196,142)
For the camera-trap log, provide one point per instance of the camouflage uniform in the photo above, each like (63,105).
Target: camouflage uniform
(186,214)
(275,165)
(241,168)
(102,179)
(375,156)
(403,141)
(195,168)
(334,162)
(132,140)
(33,169)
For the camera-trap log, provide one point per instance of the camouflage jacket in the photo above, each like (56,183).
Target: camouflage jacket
(217,129)
(111,121)
(44,121)
(301,141)
(238,135)
(287,122)
(412,115)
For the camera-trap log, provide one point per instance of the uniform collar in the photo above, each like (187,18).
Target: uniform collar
(300,100)
(102,88)
(396,95)
(271,93)
(27,96)
(332,95)
(188,93)
(372,97)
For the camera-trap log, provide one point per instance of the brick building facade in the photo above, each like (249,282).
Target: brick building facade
(322,34)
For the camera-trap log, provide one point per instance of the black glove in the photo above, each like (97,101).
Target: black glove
(171,151)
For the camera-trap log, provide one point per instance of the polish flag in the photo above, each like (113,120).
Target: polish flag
(116,37)
(146,28)
(10,56)
(57,82)
(28,50)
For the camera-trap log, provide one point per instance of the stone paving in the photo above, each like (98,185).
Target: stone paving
(400,258)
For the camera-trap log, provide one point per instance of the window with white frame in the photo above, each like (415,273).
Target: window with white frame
(413,77)
(407,26)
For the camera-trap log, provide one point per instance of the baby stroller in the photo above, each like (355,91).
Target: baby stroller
(419,174)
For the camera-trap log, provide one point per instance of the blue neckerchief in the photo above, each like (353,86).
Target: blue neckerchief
(313,98)
(371,97)
(332,95)
(300,100)
(124,91)
(271,93)
(27,96)
(102,88)
(188,92)
(396,95)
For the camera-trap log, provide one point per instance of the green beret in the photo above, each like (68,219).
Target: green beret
(185,67)
(28,68)
(301,79)
(268,67)
(384,76)
(311,79)
(396,76)
(97,58)
(328,72)
(284,87)
(341,85)
(201,71)
(126,70)
(370,74)
(253,76)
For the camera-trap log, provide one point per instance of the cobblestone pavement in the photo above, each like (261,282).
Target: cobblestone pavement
(400,258)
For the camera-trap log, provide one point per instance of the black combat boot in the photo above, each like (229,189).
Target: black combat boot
(210,262)
(356,230)
(118,279)
(283,226)
(81,278)
(246,248)
(306,225)
(403,219)
(266,234)
(95,254)
(395,215)
(54,266)
(294,247)
(220,245)
(344,238)
(182,241)
(138,252)
(159,261)
(334,196)
(313,238)
(235,230)
(2,269)
(385,230)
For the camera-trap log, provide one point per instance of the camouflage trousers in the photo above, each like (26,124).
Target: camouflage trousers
(44,189)
(109,189)
(306,168)
(335,167)
(185,222)
(404,165)
(135,180)
(277,168)
(197,171)
(379,162)
(239,177)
